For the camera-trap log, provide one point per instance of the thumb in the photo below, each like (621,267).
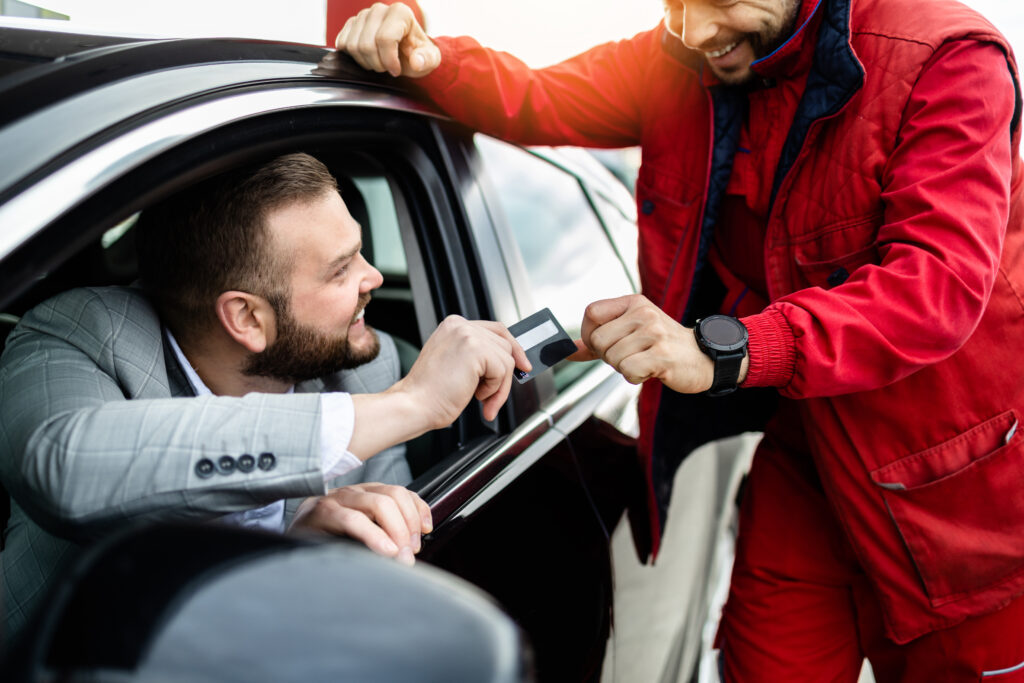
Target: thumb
(606,310)
(423,59)
(582,353)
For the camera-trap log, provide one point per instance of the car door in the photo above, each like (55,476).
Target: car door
(512,512)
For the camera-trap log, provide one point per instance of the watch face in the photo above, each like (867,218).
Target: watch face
(722,331)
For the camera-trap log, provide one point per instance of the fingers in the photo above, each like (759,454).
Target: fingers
(411,513)
(518,354)
(495,386)
(460,360)
(331,515)
(606,310)
(390,520)
(388,38)
(496,381)
(426,517)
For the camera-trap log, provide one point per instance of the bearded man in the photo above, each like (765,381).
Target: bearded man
(829,218)
(220,388)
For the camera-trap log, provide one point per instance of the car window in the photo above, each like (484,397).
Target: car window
(385,235)
(621,223)
(568,257)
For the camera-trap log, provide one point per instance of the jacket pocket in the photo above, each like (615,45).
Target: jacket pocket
(667,217)
(960,508)
(1012,674)
(827,258)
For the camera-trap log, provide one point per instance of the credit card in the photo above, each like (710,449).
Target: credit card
(543,340)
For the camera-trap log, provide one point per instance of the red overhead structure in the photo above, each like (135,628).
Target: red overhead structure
(338,12)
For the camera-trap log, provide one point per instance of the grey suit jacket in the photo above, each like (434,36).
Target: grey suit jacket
(99,427)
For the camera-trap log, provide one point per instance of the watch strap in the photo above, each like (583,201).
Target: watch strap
(727,372)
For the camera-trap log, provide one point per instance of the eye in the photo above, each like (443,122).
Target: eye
(341,272)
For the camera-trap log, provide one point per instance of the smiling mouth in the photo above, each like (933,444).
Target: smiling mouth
(359,315)
(715,54)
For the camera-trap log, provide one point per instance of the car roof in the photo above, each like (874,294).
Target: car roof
(40,65)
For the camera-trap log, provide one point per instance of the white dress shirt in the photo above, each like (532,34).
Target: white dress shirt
(337,419)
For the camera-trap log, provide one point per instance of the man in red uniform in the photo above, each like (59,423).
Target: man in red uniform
(830,219)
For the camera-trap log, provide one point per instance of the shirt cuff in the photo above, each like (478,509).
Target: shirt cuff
(772,349)
(337,420)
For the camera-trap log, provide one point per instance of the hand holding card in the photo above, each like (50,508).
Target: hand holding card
(543,340)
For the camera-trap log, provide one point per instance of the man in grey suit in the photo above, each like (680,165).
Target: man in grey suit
(225,385)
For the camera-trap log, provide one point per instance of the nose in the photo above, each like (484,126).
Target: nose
(372,279)
(699,24)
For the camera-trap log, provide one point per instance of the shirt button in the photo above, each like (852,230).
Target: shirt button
(226,464)
(246,463)
(204,468)
(267,461)
(647,207)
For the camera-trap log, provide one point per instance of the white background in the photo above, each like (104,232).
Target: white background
(538,31)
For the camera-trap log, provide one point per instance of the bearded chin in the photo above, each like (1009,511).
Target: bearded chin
(301,353)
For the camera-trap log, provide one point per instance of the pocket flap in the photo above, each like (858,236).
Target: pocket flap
(949,457)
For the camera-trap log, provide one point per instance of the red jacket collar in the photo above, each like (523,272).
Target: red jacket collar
(794,56)
(788,59)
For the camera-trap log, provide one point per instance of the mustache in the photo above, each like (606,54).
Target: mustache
(364,301)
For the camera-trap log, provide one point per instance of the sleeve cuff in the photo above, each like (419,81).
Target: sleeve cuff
(337,420)
(772,349)
(444,75)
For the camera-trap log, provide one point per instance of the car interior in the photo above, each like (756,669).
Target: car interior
(378,199)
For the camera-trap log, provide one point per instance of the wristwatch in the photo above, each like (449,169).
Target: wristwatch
(724,340)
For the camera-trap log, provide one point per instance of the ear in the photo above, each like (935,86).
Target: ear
(248,319)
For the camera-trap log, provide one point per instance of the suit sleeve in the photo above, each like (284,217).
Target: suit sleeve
(946,190)
(593,99)
(79,456)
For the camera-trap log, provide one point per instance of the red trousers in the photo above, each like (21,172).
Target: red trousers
(801,609)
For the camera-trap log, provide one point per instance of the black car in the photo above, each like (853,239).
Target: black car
(96,128)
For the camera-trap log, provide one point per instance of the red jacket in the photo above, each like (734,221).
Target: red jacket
(893,263)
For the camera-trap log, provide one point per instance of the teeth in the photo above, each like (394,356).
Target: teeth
(359,316)
(724,51)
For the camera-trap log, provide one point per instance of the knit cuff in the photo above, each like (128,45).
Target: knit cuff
(772,349)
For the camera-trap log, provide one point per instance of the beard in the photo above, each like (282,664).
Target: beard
(763,43)
(302,353)
(772,38)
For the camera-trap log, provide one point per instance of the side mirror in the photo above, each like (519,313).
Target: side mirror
(214,603)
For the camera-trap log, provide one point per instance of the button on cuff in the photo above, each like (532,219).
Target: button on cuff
(267,462)
(205,468)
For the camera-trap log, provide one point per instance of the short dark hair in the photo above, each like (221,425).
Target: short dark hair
(213,237)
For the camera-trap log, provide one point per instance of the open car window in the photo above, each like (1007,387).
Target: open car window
(390,184)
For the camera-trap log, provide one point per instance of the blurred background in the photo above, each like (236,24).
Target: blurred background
(540,32)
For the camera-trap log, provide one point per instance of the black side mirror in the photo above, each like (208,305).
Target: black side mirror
(213,603)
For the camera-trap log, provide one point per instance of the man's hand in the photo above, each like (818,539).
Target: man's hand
(388,519)
(461,360)
(388,38)
(640,341)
